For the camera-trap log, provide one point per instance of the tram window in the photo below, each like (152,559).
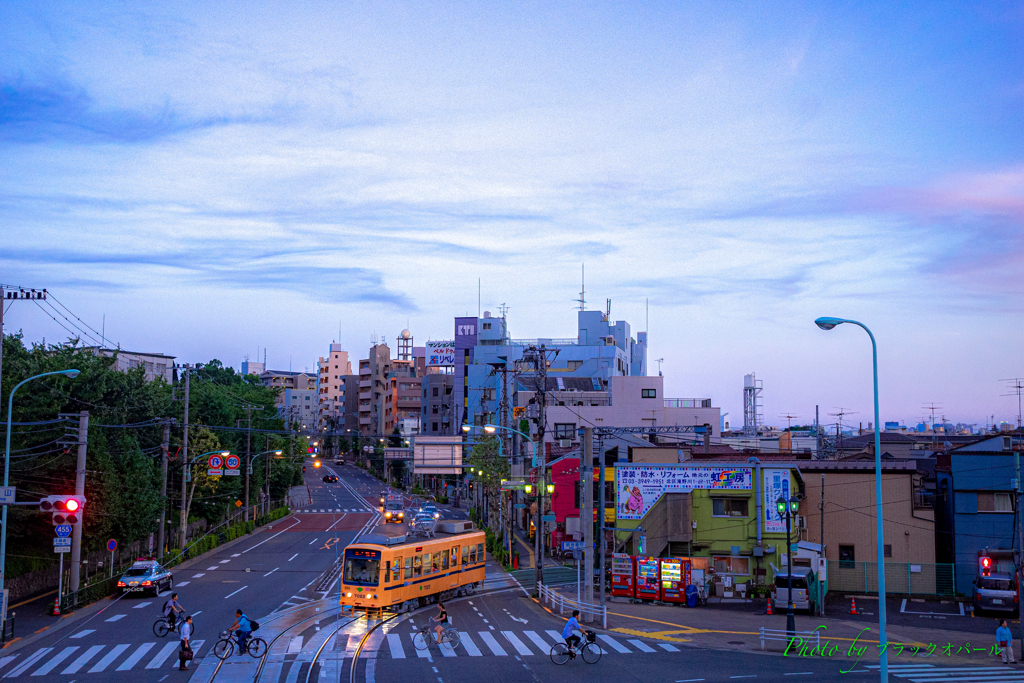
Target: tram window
(455,556)
(361,571)
(417,565)
(396,570)
(472,554)
(408,567)
(444,560)
(387,571)
(426,563)
(465,555)
(480,552)
(436,562)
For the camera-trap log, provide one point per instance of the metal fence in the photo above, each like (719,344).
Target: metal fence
(900,578)
(562,604)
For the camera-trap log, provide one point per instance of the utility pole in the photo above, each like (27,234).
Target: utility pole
(821,541)
(587,512)
(76,529)
(541,363)
(1020,546)
(248,458)
(165,445)
(184,465)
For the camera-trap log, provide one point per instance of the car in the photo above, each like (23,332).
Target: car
(431,509)
(394,511)
(996,592)
(330,479)
(146,575)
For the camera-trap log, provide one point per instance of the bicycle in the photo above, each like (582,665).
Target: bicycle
(562,652)
(162,626)
(702,594)
(449,636)
(225,647)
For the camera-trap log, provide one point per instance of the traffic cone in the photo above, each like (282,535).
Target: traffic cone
(56,608)
(769,607)
(853,606)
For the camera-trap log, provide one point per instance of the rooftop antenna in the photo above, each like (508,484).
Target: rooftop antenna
(583,288)
(503,309)
(789,420)
(1015,388)
(479,297)
(839,425)
(647,315)
(659,362)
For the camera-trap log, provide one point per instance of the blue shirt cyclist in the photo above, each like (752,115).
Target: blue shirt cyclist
(571,630)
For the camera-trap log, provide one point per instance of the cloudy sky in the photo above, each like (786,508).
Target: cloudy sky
(214,178)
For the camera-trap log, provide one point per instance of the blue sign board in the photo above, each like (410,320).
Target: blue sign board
(63,530)
(572,545)
(58,542)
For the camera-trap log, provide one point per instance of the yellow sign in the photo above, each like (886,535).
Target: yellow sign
(238,503)
(519,412)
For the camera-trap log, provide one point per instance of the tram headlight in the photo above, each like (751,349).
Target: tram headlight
(348,595)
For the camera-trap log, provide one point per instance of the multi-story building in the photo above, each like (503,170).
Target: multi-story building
(153,364)
(376,401)
(332,371)
(297,400)
(437,405)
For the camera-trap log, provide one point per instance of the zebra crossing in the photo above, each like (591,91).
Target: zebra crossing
(929,673)
(508,643)
(78,659)
(314,509)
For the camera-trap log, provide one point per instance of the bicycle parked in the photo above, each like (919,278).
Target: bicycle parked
(225,647)
(563,652)
(449,636)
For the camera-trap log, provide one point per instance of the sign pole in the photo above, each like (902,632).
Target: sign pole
(60,586)
(111,564)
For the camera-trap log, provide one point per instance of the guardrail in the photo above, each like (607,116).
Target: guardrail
(798,637)
(563,603)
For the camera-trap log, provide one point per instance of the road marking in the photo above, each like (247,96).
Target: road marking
(492,643)
(52,664)
(237,555)
(799,673)
(668,648)
(271,572)
(395,643)
(197,614)
(127,664)
(83,659)
(516,643)
(293,557)
(237,591)
(83,634)
(295,645)
(142,604)
(640,645)
(199,575)
(424,653)
(615,644)
(748,676)
(116,617)
(690,680)
(210,569)
(469,645)
(297,522)
(183,583)
(224,561)
(39,654)
(313,541)
(108,659)
(162,656)
(7,660)
(541,644)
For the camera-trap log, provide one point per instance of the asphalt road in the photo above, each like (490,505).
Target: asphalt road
(288,565)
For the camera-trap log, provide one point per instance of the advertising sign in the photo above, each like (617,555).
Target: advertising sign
(440,353)
(465,333)
(641,486)
(776,485)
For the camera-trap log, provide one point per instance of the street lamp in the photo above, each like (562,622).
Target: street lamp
(827,323)
(7,460)
(787,509)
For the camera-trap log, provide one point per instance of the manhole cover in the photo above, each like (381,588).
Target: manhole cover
(736,642)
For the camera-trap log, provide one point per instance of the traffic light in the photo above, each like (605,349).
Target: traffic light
(64,509)
(986,566)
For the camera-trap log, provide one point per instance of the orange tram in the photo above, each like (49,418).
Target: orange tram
(392,570)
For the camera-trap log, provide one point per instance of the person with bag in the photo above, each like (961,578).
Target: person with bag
(185,654)
(1004,641)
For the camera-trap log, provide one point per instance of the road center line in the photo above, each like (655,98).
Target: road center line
(314,541)
(237,591)
(293,557)
(271,571)
(297,522)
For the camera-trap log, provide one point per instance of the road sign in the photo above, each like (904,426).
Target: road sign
(7,494)
(62,549)
(215,462)
(238,503)
(231,473)
(112,545)
(232,462)
(215,473)
(572,545)
(547,518)
(57,542)
(519,506)
(63,530)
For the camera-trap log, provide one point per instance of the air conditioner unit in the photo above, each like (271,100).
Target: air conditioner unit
(565,443)
(801,522)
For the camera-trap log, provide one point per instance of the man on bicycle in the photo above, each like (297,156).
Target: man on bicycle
(570,631)
(171,607)
(440,621)
(244,631)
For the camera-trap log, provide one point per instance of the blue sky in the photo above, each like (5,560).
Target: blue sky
(215,179)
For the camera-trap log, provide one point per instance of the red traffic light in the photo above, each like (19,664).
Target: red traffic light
(63,509)
(986,562)
(72,505)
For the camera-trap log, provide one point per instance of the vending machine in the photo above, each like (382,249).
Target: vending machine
(675,577)
(623,576)
(648,578)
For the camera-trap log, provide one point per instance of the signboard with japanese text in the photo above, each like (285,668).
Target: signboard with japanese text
(776,485)
(440,353)
(641,486)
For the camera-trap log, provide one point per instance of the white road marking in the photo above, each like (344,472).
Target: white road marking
(492,643)
(668,648)
(237,555)
(83,659)
(162,656)
(640,645)
(422,654)
(54,661)
(142,604)
(313,541)
(36,656)
(224,561)
(116,617)
(83,634)
(516,643)
(210,569)
(469,645)
(108,659)
(196,576)
(541,644)
(237,591)
(182,583)
(134,658)
(271,571)
(295,645)
(293,557)
(615,645)
(395,643)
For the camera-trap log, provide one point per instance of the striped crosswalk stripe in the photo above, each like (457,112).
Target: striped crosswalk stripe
(134,658)
(83,659)
(55,661)
(541,644)
(109,658)
(162,656)
(516,643)
(25,665)
(469,645)
(490,642)
(395,643)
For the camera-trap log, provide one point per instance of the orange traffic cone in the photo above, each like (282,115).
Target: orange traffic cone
(56,609)
(853,605)
(769,607)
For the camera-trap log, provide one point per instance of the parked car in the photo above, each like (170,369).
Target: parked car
(330,479)
(804,589)
(996,592)
(146,575)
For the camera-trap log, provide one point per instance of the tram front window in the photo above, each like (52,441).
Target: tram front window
(361,571)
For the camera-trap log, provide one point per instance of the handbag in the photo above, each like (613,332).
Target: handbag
(1002,643)
(185,655)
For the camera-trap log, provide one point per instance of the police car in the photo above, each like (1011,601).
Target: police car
(146,575)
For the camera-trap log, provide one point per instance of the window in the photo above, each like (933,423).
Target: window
(846,557)
(396,571)
(565,430)
(648,393)
(574,364)
(435,563)
(362,571)
(465,555)
(408,567)
(447,391)
(487,326)
(455,556)
(472,554)
(732,565)
(434,408)
(435,391)
(729,507)
(887,550)
(995,502)
(433,426)
(417,565)
(444,560)
(479,552)
(426,564)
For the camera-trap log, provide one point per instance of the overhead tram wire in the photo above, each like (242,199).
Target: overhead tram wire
(73,335)
(101,335)
(83,333)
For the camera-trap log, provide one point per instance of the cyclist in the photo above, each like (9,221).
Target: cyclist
(570,631)
(440,621)
(244,631)
(171,608)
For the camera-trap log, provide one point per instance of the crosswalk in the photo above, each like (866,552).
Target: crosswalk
(79,659)
(929,673)
(508,643)
(314,509)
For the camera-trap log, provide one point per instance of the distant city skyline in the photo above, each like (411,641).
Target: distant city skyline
(215,179)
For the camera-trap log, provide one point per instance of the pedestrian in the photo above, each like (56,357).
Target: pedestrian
(1004,640)
(185,655)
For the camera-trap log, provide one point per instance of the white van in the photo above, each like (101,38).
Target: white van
(804,590)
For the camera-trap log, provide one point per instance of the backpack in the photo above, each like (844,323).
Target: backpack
(255,625)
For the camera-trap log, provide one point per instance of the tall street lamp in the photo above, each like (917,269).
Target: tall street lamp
(787,509)
(538,568)
(7,462)
(828,324)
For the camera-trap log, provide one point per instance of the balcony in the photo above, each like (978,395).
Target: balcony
(687,402)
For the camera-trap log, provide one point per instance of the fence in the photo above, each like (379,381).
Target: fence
(563,603)
(900,577)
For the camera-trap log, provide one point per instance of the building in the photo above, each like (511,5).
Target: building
(297,399)
(252,367)
(376,399)
(154,365)
(437,405)
(333,371)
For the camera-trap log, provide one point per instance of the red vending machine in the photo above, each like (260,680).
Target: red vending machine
(623,576)
(675,577)
(648,578)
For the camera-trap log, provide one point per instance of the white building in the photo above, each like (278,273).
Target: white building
(155,364)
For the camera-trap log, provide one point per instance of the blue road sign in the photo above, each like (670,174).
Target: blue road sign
(111,545)
(63,530)
(572,545)
(57,542)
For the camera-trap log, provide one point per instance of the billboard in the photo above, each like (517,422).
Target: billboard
(437,455)
(440,353)
(776,485)
(639,487)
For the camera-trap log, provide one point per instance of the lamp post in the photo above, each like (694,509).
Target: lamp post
(828,324)
(786,509)
(7,461)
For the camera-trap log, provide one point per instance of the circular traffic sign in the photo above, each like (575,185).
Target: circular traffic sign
(111,545)
(215,462)
(232,462)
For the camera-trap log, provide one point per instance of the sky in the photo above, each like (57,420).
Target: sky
(208,180)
